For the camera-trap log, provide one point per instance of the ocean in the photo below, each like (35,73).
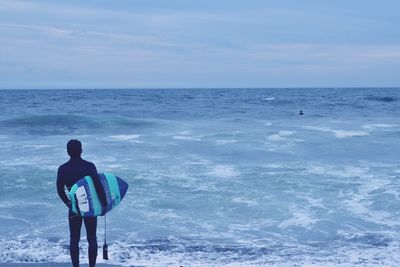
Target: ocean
(218,177)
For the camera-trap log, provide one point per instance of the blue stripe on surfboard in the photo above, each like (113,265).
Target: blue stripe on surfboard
(95,207)
(114,188)
(107,192)
(123,187)
(72,198)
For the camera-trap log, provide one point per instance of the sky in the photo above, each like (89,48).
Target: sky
(199,44)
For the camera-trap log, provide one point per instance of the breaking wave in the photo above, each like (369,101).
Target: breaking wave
(65,124)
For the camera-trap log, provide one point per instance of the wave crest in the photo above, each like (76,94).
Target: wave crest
(66,124)
(382,98)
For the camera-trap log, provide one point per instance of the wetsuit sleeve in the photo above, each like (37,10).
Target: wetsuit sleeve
(60,188)
(97,185)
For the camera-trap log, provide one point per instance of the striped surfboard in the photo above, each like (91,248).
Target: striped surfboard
(85,201)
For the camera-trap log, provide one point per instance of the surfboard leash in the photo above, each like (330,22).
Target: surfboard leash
(105,246)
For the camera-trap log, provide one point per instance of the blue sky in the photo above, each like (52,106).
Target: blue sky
(187,43)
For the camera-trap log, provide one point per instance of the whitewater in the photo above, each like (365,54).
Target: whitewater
(218,177)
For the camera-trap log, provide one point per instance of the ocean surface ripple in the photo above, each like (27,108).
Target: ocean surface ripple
(218,177)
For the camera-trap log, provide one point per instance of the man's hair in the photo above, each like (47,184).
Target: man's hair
(74,148)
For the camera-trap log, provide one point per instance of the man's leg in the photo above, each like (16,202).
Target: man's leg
(75,224)
(91,227)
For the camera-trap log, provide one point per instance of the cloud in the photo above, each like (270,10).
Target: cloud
(81,34)
(174,44)
(54,9)
(324,54)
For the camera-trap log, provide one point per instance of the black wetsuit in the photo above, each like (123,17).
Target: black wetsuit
(68,174)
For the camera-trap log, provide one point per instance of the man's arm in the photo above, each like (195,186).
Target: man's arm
(97,185)
(61,189)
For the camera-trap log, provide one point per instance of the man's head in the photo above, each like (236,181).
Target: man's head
(74,148)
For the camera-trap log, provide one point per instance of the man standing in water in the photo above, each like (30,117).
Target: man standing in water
(68,174)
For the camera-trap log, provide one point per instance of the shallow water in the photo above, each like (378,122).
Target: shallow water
(217,177)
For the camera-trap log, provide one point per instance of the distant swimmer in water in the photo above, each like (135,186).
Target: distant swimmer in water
(301,112)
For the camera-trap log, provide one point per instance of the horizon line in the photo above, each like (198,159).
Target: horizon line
(207,88)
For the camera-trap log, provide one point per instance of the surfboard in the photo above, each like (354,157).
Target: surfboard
(84,198)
